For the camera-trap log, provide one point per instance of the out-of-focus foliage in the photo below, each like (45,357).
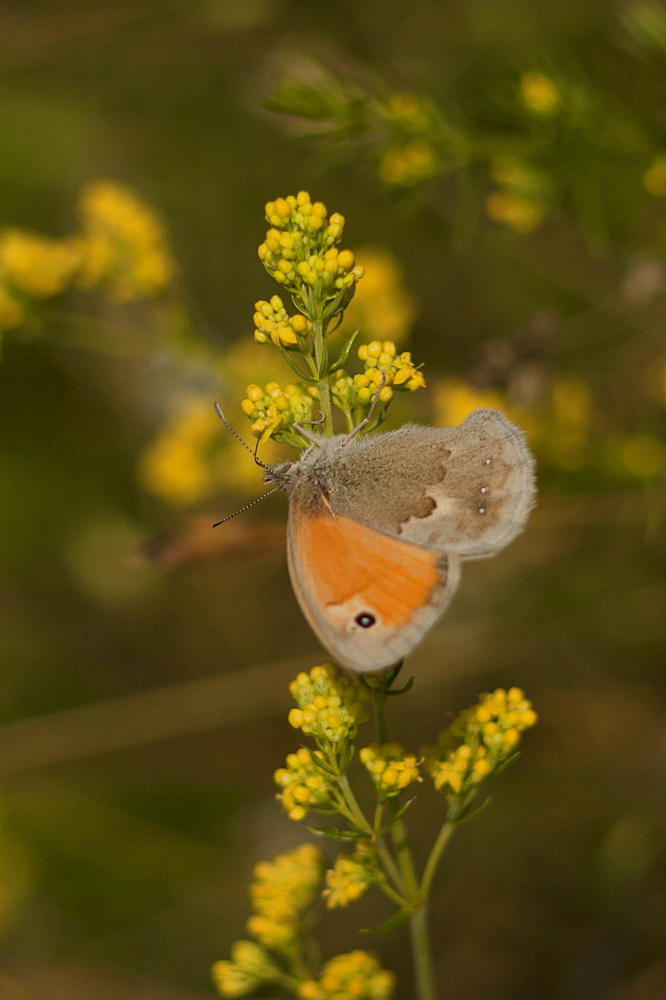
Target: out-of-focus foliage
(503,168)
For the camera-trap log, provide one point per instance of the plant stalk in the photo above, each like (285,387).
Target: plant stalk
(321,362)
(422,954)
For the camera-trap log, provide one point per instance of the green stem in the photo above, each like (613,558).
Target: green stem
(418,922)
(422,955)
(443,838)
(355,811)
(321,363)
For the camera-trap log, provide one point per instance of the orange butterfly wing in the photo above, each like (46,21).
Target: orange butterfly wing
(368,596)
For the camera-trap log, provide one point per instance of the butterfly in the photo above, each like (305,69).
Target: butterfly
(380,524)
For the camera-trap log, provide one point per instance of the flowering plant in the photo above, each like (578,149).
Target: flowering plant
(301,253)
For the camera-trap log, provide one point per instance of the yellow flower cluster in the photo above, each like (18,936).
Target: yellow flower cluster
(381,364)
(300,252)
(176,466)
(409,164)
(410,156)
(355,976)
(391,769)
(272,323)
(304,784)
(400,369)
(123,244)
(522,199)
(248,968)
(479,741)
(540,94)
(274,409)
(348,879)
(331,706)
(36,265)
(283,889)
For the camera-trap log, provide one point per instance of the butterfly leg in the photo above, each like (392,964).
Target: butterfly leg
(300,426)
(371,412)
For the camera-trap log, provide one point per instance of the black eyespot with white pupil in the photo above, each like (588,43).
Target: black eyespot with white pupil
(365,620)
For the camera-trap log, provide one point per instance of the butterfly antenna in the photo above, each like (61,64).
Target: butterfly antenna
(246,446)
(246,507)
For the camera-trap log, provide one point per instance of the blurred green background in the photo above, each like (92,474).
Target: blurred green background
(502,166)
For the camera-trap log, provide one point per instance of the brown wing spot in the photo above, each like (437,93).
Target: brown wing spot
(393,577)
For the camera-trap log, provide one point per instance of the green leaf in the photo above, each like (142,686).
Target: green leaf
(321,764)
(344,352)
(396,920)
(294,367)
(466,814)
(333,833)
(406,687)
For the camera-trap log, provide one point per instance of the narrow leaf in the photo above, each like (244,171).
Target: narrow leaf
(395,921)
(344,352)
(294,367)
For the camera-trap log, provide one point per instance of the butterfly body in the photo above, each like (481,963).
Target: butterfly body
(379,524)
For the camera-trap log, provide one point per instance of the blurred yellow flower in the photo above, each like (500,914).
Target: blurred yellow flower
(382,308)
(517,211)
(37,265)
(539,93)
(123,244)
(349,877)
(456,399)
(354,976)
(409,164)
(283,890)
(176,466)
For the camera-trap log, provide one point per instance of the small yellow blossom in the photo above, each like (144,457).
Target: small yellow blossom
(272,323)
(274,409)
(654,178)
(300,252)
(354,976)
(409,164)
(522,199)
(331,705)
(517,211)
(37,265)
(303,784)
(409,111)
(349,878)
(390,768)
(248,969)
(540,94)
(479,741)
(283,890)
(123,244)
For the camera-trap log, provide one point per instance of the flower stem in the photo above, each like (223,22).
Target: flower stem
(443,838)
(321,363)
(422,955)
(418,922)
